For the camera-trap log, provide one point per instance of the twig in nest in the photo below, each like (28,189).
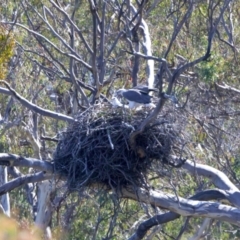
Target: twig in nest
(110,140)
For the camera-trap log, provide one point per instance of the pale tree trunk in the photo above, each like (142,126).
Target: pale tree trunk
(44,211)
(5,201)
(43,214)
(147,49)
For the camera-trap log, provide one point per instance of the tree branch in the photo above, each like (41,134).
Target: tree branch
(74,26)
(219,179)
(156,220)
(11,160)
(179,27)
(32,106)
(201,232)
(185,207)
(227,87)
(29,178)
(170,216)
(73,54)
(178,71)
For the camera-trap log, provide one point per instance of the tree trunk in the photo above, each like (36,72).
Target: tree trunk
(5,201)
(44,212)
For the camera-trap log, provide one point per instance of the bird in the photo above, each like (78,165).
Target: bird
(135,97)
(116,103)
(145,89)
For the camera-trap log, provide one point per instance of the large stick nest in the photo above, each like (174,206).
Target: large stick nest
(96,149)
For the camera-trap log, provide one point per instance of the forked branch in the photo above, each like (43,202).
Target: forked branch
(33,107)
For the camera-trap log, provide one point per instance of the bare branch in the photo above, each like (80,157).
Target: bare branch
(73,76)
(185,207)
(227,87)
(93,9)
(29,188)
(9,124)
(44,212)
(52,59)
(114,44)
(19,161)
(71,55)
(219,179)
(46,138)
(179,27)
(101,60)
(74,25)
(32,106)
(156,220)
(178,71)
(29,178)
(170,216)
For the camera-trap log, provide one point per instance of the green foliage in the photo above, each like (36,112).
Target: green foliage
(3,144)
(99,215)
(210,71)
(235,161)
(7,44)
(172,229)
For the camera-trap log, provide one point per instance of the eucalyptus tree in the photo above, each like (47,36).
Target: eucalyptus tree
(71,55)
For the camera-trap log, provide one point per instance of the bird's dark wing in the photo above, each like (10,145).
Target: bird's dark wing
(145,89)
(153,90)
(135,95)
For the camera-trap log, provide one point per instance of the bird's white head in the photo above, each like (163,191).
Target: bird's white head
(119,92)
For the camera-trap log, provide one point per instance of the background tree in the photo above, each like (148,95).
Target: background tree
(61,58)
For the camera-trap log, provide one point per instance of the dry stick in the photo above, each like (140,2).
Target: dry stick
(227,87)
(46,138)
(110,140)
